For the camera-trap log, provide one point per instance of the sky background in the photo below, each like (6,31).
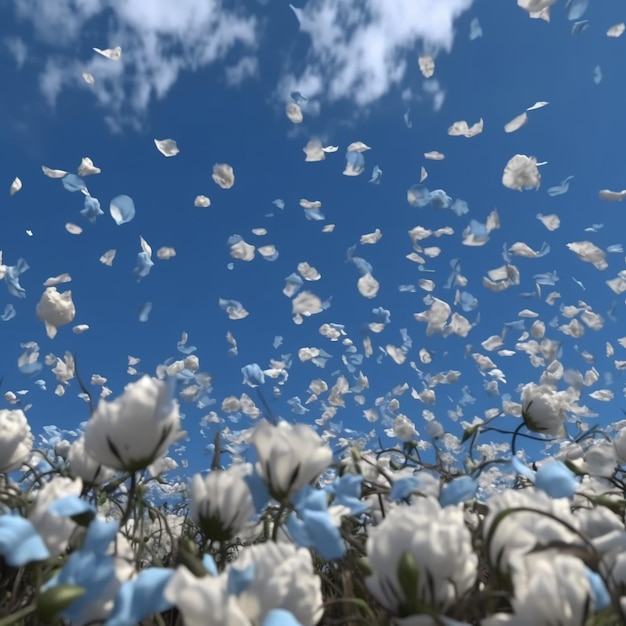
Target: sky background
(216,77)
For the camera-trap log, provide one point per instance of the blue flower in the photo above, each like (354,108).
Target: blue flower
(140,597)
(313,527)
(90,567)
(347,492)
(458,490)
(20,542)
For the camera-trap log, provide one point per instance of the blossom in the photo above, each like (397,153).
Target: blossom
(136,429)
(16,440)
(55,309)
(422,557)
(198,598)
(83,465)
(283,579)
(289,456)
(221,504)
(54,529)
(544,409)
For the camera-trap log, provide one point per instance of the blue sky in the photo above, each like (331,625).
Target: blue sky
(216,77)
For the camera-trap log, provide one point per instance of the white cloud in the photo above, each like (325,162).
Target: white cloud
(358,48)
(245,68)
(159,39)
(18,49)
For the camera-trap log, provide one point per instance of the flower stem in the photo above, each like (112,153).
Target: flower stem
(16,617)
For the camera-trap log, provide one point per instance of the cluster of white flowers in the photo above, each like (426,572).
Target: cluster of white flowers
(299,534)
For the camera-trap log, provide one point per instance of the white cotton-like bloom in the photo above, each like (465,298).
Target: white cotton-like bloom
(55,530)
(223,175)
(521,172)
(548,591)
(16,440)
(136,429)
(221,504)
(619,441)
(518,533)
(425,548)
(544,409)
(294,113)
(83,465)
(290,456)
(283,578)
(55,309)
(404,428)
(199,598)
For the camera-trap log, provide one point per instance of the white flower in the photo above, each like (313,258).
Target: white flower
(620,445)
(544,409)
(16,440)
(55,309)
(520,531)
(137,428)
(430,549)
(548,591)
(203,600)
(283,579)
(55,530)
(221,504)
(521,172)
(290,456)
(83,465)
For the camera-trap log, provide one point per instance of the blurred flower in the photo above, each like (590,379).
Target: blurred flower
(55,309)
(544,409)
(137,428)
(83,465)
(290,456)
(54,528)
(20,542)
(221,504)
(284,579)
(16,440)
(422,558)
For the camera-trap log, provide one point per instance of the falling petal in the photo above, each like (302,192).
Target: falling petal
(107,257)
(50,173)
(115,54)
(427,65)
(122,209)
(88,78)
(87,168)
(201,201)
(615,196)
(434,156)
(575,9)
(516,123)
(16,185)
(358,146)
(294,113)
(462,129)
(167,147)
(617,30)
(597,75)
(79,329)
(560,189)
(73,229)
(165,253)
(377,175)
(223,175)
(144,312)
(521,173)
(537,105)
(475,29)
(71,182)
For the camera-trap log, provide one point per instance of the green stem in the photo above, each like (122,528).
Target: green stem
(279,514)
(9,620)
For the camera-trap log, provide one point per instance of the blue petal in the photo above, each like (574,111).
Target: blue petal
(141,597)
(239,579)
(144,312)
(122,209)
(209,564)
(600,592)
(556,479)
(9,313)
(418,196)
(575,9)
(253,375)
(71,505)
(92,209)
(20,542)
(377,175)
(143,267)
(280,617)
(258,489)
(439,199)
(73,183)
(458,490)
(403,488)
